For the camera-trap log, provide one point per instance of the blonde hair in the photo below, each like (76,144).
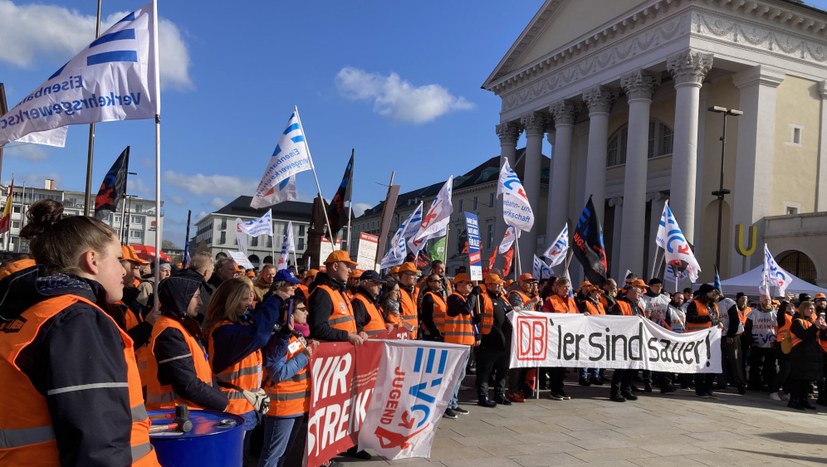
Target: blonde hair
(226,302)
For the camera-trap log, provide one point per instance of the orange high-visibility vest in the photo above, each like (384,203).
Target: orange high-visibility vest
(556,304)
(377,322)
(290,397)
(407,311)
(132,319)
(341,316)
(625,307)
(459,329)
(594,308)
(702,311)
(439,310)
(160,396)
(784,330)
(806,324)
(26,434)
(487,314)
(245,374)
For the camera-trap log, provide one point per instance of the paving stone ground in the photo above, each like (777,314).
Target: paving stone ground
(655,430)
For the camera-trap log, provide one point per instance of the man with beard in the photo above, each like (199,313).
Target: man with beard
(734,353)
(702,313)
(628,305)
(432,309)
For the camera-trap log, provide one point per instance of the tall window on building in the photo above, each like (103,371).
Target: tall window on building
(476,203)
(222,239)
(660,143)
(490,235)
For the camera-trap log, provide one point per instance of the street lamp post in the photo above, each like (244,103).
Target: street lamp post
(721,190)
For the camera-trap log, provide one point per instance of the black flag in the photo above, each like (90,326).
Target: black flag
(113,188)
(336,209)
(587,244)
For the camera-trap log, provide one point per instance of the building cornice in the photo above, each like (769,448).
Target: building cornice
(787,31)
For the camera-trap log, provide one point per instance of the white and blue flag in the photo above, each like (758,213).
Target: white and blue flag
(287,245)
(541,270)
(398,250)
(516,209)
(114,78)
(290,157)
(680,260)
(559,249)
(414,221)
(774,279)
(256,227)
(435,222)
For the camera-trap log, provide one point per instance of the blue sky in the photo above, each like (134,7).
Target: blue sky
(399,81)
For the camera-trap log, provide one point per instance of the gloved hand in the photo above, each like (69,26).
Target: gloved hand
(258,399)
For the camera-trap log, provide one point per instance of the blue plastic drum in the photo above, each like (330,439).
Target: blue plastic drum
(217,438)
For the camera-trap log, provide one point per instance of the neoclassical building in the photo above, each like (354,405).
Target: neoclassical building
(621,89)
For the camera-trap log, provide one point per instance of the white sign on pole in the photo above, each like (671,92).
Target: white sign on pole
(326,248)
(240,259)
(366,256)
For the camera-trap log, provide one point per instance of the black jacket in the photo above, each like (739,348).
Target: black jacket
(320,307)
(76,347)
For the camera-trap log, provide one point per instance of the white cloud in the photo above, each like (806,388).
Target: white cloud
(359,208)
(177,200)
(218,203)
(399,99)
(200,184)
(30,152)
(33,33)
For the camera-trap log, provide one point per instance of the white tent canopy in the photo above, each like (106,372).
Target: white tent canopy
(749,281)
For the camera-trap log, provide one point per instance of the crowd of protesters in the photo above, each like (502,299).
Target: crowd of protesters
(91,345)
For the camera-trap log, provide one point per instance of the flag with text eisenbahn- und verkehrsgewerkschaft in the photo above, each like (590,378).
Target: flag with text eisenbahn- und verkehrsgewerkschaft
(112,79)
(290,157)
(113,188)
(516,209)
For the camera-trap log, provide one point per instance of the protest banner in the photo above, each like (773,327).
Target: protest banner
(343,378)
(240,259)
(472,226)
(366,256)
(631,342)
(326,248)
(413,389)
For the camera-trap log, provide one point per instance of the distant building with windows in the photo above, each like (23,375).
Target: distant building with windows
(216,230)
(138,214)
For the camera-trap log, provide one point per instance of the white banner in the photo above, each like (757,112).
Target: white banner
(326,248)
(290,157)
(413,387)
(575,340)
(287,246)
(111,79)
(261,226)
(240,259)
(516,209)
(366,255)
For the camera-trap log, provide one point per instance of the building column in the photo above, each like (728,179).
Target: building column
(563,113)
(509,133)
(821,177)
(535,127)
(599,101)
(614,261)
(752,190)
(658,200)
(639,87)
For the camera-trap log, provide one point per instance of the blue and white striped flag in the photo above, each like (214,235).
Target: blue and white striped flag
(287,246)
(541,270)
(114,78)
(413,222)
(559,249)
(774,279)
(261,226)
(290,157)
(397,251)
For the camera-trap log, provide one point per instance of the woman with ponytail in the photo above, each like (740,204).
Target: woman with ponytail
(71,390)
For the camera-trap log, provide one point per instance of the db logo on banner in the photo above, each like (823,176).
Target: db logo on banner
(532,338)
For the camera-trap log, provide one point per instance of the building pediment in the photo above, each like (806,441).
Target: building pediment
(562,40)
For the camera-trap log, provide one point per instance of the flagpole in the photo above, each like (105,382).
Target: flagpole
(157,82)
(184,262)
(3,110)
(272,236)
(91,147)
(517,253)
(315,177)
(655,262)
(349,191)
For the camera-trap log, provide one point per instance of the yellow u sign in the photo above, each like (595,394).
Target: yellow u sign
(753,240)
